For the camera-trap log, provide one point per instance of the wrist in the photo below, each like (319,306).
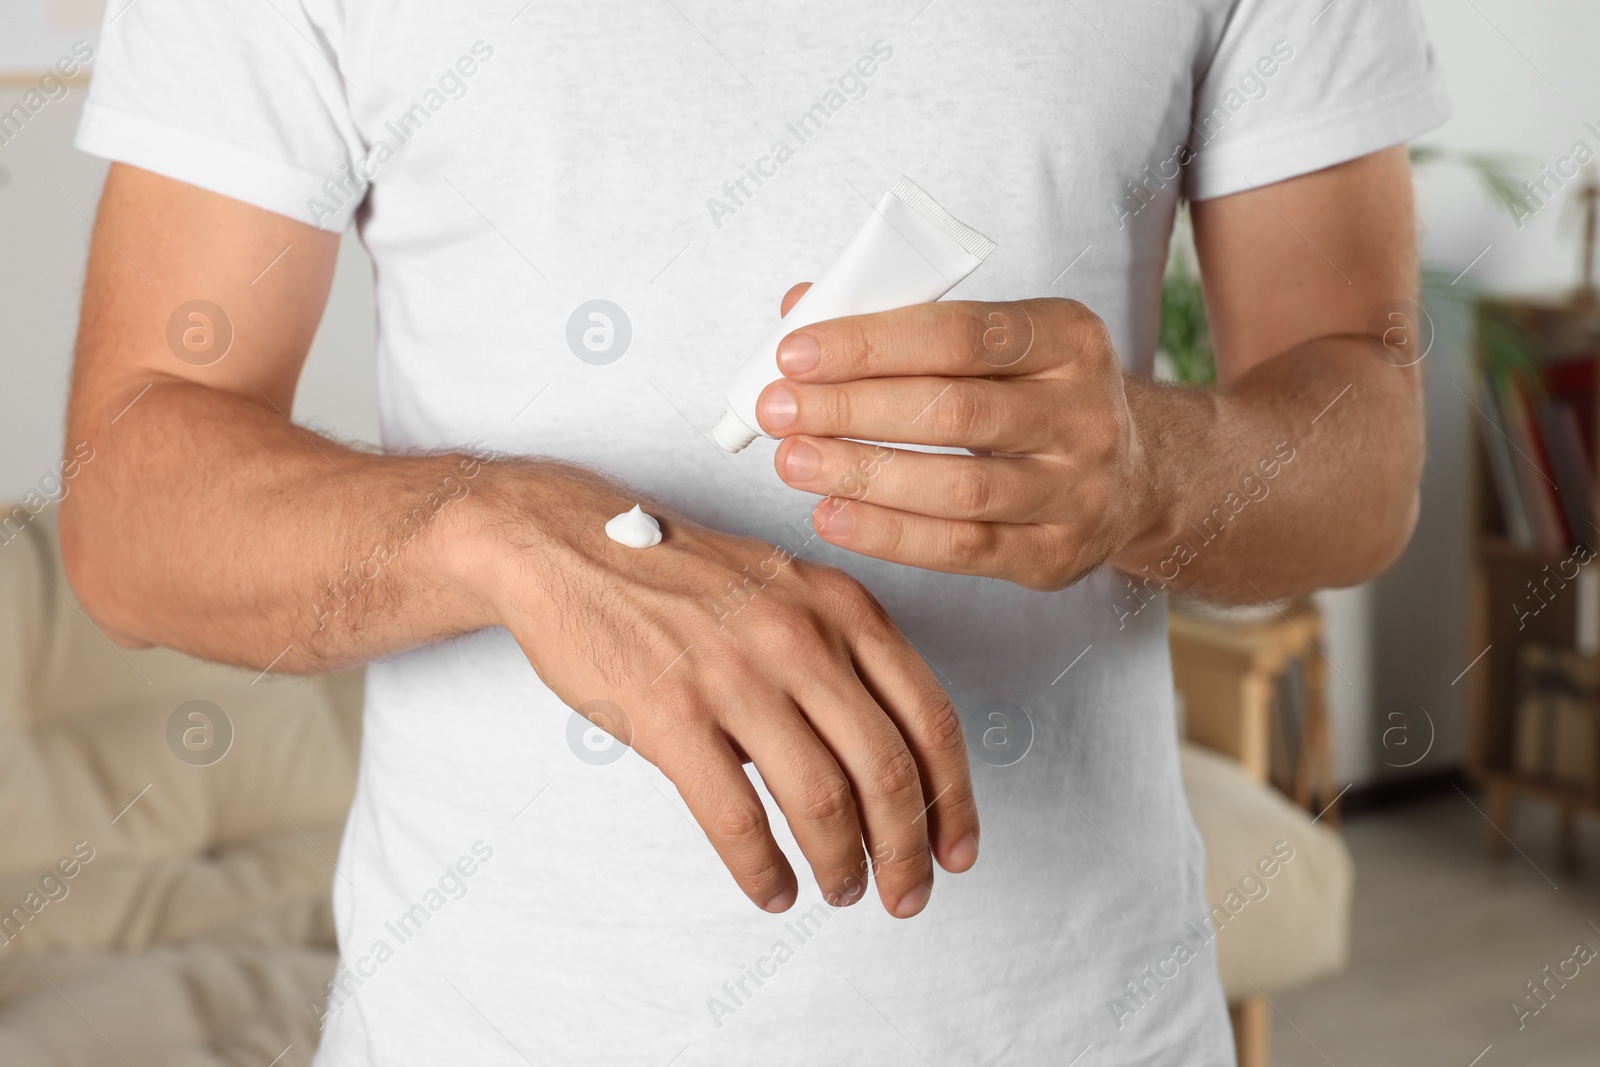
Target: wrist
(1172,427)
(1156,525)
(526,525)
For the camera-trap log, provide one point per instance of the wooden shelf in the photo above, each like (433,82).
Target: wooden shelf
(1500,615)
(1498,547)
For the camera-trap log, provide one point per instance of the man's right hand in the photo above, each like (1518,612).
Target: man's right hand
(805,676)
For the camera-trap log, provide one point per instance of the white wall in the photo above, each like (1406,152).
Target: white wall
(1523,78)
(48,192)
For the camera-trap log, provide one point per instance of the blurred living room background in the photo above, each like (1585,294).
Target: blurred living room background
(1426,743)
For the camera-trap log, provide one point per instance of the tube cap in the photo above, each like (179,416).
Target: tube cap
(732,434)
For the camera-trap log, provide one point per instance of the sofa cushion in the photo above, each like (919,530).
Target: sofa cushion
(122,830)
(1277,883)
(202,1005)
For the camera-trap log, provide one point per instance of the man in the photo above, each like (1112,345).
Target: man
(507,168)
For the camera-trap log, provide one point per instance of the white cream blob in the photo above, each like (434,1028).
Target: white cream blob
(634,529)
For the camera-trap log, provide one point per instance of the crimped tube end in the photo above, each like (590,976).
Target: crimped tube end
(732,434)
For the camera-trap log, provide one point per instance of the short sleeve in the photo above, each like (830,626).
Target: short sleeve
(1298,85)
(241,98)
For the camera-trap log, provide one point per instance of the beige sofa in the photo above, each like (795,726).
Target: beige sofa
(194,927)
(166,884)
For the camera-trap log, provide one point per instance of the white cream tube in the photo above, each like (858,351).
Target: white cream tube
(909,251)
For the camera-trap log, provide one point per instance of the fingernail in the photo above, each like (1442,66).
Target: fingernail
(778,409)
(914,901)
(801,462)
(963,854)
(798,353)
(833,518)
(782,902)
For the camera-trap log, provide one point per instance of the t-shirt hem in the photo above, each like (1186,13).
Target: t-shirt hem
(1276,155)
(210,163)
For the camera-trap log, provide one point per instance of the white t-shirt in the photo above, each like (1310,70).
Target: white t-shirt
(508,893)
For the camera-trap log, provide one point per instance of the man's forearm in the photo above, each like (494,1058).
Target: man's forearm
(1300,475)
(211,524)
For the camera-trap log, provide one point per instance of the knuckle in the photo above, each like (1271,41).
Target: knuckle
(1010,334)
(1057,567)
(846,586)
(970,331)
(862,345)
(1059,313)
(675,710)
(1042,499)
(845,591)
(1039,579)
(894,864)
(970,544)
(835,407)
(942,724)
(766,874)
(1074,311)
(971,493)
(895,773)
(854,480)
(1079,319)
(889,536)
(959,806)
(961,412)
(741,825)
(856,609)
(789,628)
(1107,409)
(826,799)
(1101,333)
